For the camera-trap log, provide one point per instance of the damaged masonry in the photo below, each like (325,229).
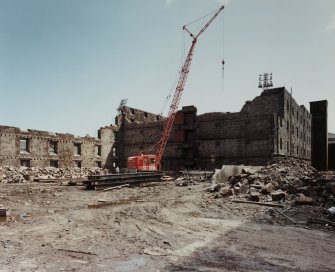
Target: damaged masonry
(245,191)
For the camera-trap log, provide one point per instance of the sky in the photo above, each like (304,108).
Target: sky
(65,65)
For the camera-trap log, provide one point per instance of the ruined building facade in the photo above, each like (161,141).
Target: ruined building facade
(34,148)
(272,124)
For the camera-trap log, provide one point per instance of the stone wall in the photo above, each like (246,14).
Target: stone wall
(234,138)
(34,148)
(269,125)
(272,124)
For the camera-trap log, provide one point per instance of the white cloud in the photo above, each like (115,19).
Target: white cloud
(331,25)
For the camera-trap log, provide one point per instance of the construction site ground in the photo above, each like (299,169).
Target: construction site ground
(157,227)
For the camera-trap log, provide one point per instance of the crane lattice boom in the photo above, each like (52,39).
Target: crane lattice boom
(152,162)
(180,87)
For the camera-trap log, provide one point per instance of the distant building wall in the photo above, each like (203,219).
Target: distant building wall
(319,111)
(40,148)
(137,131)
(272,124)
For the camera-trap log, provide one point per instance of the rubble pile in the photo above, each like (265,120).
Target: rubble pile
(284,179)
(193,177)
(9,174)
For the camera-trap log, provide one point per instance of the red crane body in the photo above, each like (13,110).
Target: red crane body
(153,162)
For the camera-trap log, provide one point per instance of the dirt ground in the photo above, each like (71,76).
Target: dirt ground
(161,227)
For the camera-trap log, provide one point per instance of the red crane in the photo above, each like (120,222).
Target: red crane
(153,162)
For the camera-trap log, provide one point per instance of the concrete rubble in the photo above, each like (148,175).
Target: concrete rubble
(9,174)
(305,195)
(283,180)
(193,177)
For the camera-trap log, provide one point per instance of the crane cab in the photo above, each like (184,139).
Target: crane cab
(143,163)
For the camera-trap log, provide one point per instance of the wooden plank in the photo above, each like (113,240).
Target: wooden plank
(115,187)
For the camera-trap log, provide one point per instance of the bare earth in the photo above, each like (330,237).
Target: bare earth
(150,228)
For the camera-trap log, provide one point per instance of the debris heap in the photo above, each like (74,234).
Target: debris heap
(284,179)
(9,174)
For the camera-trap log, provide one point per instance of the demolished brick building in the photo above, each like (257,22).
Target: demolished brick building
(35,148)
(272,124)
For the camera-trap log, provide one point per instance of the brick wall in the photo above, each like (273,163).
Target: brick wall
(45,149)
(269,125)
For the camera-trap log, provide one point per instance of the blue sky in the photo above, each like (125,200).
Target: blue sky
(65,65)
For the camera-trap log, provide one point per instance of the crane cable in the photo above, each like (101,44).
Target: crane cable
(179,71)
(169,94)
(171,90)
(202,17)
(223,61)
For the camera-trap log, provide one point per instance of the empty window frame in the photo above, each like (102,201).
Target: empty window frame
(24,145)
(77,149)
(25,163)
(53,147)
(98,150)
(77,164)
(281,143)
(98,164)
(54,163)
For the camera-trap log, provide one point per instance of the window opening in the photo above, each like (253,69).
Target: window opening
(98,150)
(24,145)
(54,163)
(25,163)
(77,164)
(53,147)
(77,149)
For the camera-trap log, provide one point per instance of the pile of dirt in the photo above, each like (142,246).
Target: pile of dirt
(283,180)
(9,174)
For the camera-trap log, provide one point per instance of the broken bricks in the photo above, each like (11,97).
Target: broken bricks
(304,200)
(278,195)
